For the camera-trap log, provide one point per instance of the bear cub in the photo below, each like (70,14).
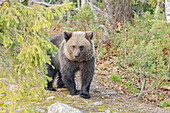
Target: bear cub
(76,53)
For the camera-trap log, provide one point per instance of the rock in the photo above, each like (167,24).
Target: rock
(98,103)
(19,110)
(52,97)
(6,103)
(40,110)
(2,95)
(62,108)
(109,93)
(107,111)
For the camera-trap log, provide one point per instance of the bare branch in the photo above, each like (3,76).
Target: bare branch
(149,90)
(8,49)
(142,89)
(166,72)
(43,3)
(126,36)
(143,81)
(105,29)
(98,9)
(2,1)
(157,7)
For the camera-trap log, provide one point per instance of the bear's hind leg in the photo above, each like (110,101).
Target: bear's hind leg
(51,73)
(60,83)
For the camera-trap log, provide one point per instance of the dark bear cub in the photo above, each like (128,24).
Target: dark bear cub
(76,53)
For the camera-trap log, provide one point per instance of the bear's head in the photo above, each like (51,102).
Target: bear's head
(78,46)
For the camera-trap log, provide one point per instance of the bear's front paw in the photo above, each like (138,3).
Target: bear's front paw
(75,92)
(61,86)
(50,89)
(85,96)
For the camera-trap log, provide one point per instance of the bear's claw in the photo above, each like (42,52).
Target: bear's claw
(76,92)
(50,89)
(85,96)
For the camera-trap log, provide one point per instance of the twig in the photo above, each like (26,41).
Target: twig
(44,3)
(98,9)
(125,40)
(143,81)
(166,72)
(23,5)
(157,7)
(105,29)
(1,2)
(7,49)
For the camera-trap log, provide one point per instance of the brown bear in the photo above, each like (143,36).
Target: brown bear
(76,53)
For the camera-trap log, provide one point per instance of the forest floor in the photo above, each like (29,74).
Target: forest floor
(104,99)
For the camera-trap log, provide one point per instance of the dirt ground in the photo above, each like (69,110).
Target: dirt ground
(105,99)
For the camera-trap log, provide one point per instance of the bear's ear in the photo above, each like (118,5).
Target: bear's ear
(67,35)
(89,35)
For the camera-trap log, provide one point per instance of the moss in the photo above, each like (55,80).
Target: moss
(101,108)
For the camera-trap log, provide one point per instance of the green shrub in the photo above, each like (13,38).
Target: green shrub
(165,103)
(84,17)
(147,46)
(23,32)
(116,78)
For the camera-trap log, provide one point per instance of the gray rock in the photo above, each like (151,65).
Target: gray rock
(52,97)
(107,111)
(98,103)
(61,108)
(40,110)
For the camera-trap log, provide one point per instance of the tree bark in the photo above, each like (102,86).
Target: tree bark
(78,4)
(167,10)
(83,3)
(117,10)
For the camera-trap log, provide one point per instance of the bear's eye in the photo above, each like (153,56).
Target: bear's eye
(81,48)
(73,47)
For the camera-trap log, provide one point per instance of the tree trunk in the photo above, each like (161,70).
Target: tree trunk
(69,12)
(117,10)
(94,2)
(167,10)
(83,3)
(78,4)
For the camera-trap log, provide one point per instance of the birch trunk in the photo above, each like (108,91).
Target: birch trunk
(83,3)
(167,10)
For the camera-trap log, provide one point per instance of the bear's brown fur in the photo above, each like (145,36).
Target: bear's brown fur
(76,54)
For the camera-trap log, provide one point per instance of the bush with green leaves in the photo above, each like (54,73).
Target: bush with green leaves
(84,18)
(23,53)
(147,47)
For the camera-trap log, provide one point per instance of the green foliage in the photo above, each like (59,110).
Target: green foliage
(147,46)
(23,32)
(139,7)
(165,103)
(116,78)
(84,17)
